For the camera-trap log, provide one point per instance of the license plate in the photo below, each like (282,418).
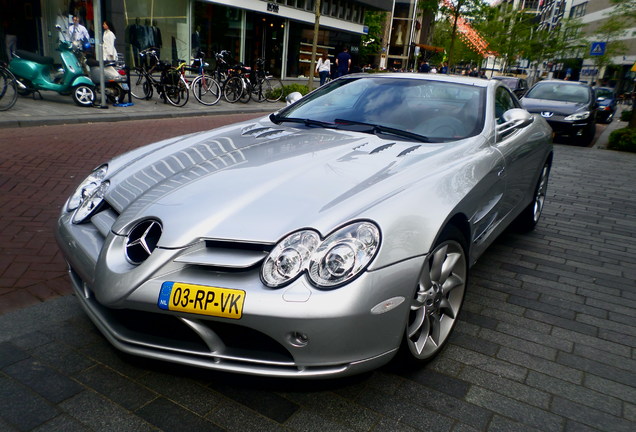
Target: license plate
(202,300)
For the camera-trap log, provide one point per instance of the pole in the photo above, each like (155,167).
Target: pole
(99,47)
(312,65)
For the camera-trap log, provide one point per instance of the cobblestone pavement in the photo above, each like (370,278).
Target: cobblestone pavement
(546,340)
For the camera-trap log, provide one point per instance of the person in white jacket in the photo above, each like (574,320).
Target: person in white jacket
(323,67)
(109,51)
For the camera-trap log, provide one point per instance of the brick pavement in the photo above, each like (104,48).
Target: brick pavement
(39,169)
(546,340)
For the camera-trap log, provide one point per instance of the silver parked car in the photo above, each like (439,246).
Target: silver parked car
(316,241)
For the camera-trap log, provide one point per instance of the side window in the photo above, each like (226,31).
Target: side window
(503,102)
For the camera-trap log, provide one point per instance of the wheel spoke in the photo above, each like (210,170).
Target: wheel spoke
(435,327)
(437,264)
(418,321)
(448,266)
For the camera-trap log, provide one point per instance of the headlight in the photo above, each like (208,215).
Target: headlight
(90,203)
(87,187)
(336,260)
(578,116)
(289,258)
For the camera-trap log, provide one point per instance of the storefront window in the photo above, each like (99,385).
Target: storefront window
(330,41)
(264,38)
(161,24)
(216,28)
(60,12)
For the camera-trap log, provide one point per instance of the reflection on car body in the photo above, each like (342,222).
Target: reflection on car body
(519,86)
(315,241)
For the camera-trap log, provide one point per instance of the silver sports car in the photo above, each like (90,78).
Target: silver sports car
(317,241)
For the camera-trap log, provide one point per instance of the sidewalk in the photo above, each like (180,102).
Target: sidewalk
(56,109)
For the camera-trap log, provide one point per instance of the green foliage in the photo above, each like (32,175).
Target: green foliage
(626,115)
(623,140)
(371,43)
(295,87)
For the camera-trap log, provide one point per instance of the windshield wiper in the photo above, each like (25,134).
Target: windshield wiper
(379,129)
(307,122)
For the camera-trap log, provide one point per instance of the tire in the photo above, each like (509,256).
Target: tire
(438,297)
(175,89)
(8,90)
(83,95)
(529,217)
(260,90)
(247,91)
(140,86)
(206,90)
(233,89)
(276,89)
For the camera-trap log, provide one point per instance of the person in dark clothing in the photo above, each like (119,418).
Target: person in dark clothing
(343,61)
(425,67)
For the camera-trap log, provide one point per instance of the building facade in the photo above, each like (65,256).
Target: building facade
(281,31)
(592,14)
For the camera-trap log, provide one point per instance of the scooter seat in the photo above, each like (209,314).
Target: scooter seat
(27,55)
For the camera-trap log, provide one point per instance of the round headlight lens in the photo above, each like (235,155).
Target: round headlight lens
(87,187)
(90,203)
(289,258)
(336,260)
(344,254)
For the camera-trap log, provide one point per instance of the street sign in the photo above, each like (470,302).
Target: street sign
(597,49)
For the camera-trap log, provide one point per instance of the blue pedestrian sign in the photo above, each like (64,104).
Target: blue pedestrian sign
(597,49)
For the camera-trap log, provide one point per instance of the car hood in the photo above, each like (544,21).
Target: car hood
(258,181)
(557,107)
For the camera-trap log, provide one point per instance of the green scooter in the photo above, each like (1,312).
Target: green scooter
(38,72)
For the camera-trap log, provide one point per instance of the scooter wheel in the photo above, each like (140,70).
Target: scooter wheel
(84,95)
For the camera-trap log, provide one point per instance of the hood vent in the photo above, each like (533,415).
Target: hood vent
(264,132)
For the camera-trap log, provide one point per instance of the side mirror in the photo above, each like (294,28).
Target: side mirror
(58,27)
(515,118)
(293,97)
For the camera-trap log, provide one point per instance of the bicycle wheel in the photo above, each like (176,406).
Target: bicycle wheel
(8,89)
(274,89)
(233,89)
(206,90)
(140,85)
(175,88)
(247,91)
(260,90)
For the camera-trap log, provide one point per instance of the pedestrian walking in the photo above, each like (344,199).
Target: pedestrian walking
(77,33)
(343,61)
(109,52)
(323,68)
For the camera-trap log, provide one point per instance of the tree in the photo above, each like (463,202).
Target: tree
(371,43)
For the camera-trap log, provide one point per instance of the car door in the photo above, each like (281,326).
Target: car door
(517,148)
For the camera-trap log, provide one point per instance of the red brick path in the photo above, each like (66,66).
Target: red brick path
(39,168)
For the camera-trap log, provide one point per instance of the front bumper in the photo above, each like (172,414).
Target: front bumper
(296,331)
(569,129)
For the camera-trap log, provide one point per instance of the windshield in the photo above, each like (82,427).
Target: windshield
(603,92)
(434,110)
(510,82)
(560,92)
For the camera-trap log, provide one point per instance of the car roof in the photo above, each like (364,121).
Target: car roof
(563,82)
(502,77)
(460,79)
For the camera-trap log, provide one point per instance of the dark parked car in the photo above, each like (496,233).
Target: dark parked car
(568,106)
(519,86)
(606,100)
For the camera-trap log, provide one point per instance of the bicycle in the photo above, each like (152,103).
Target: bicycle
(266,86)
(142,81)
(244,85)
(205,87)
(8,88)
(175,87)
